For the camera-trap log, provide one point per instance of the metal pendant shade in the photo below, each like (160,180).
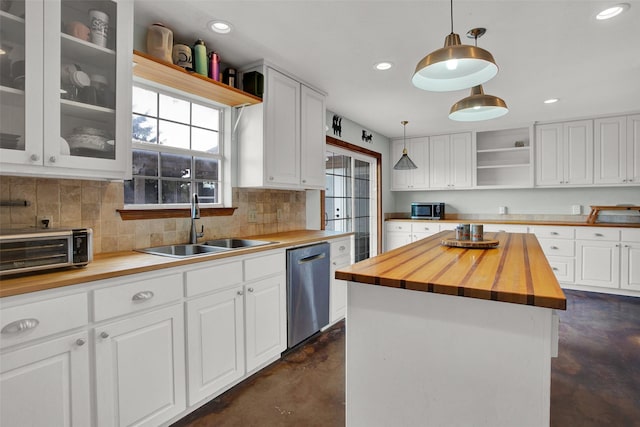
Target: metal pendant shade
(405,163)
(478,106)
(455,66)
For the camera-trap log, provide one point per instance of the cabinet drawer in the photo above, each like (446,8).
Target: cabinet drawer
(563,268)
(553,232)
(398,226)
(630,235)
(213,277)
(340,262)
(506,228)
(129,297)
(557,247)
(264,266)
(340,248)
(40,319)
(424,227)
(598,233)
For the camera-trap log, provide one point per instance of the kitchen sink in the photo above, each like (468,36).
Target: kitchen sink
(235,243)
(183,251)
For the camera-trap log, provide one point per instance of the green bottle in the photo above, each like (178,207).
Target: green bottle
(200,57)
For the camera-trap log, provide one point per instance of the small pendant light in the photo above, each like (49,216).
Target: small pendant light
(405,162)
(455,66)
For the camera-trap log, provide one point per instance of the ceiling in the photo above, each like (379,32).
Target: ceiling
(543,48)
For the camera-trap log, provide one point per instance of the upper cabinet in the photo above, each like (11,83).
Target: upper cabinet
(412,179)
(504,158)
(451,161)
(564,153)
(617,150)
(67,73)
(281,141)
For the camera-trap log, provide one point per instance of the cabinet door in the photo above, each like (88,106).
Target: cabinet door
(549,155)
(418,151)
(395,240)
(633,149)
(598,263)
(631,266)
(282,145)
(439,159)
(47,384)
(611,150)
(460,171)
(338,300)
(578,152)
(215,342)
(140,369)
(312,144)
(265,320)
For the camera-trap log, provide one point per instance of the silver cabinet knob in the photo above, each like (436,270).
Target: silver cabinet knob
(34,157)
(304,181)
(250,289)
(240,293)
(270,178)
(104,335)
(80,342)
(342,248)
(52,159)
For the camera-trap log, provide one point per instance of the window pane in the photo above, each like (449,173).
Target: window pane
(174,135)
(174,109)
(141,191)
(205,117)
(145,102)
(208,192)
(145,129)
(145,163)
(176,191)
(175,166)
(206,169)
(204,140)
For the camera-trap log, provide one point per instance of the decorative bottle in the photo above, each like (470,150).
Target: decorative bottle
(200,57)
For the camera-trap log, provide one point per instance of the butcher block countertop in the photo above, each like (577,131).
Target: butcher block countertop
(516,271)
(116,264)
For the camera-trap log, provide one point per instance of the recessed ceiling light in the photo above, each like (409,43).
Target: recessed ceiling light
(610,12)
(383,65)
(220,27)
(551,100)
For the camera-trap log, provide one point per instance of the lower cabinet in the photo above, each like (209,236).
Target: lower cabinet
(598,257)
(341,256)
(140,369)
(630,262)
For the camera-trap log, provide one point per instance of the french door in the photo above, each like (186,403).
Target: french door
(351,198)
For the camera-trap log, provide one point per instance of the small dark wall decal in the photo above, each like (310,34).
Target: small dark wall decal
(367,137)
(337,125)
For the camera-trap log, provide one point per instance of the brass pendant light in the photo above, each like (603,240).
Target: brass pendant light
(478,106)
(455,66)
(405,163)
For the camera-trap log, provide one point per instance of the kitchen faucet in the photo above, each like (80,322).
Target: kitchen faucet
(195,214)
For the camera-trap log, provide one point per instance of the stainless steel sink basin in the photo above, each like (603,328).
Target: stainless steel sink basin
(235,243)
(183,251)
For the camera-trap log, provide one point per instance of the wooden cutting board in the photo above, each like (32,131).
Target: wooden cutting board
(485,244)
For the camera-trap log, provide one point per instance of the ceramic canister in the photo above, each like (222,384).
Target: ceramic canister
(182,56)
(99,27)
(160,42)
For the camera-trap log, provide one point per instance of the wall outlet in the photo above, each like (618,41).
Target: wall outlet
(44,221)
(576,209)
(252,216)
(502,210)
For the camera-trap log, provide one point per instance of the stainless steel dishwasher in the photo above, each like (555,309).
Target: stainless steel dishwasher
(307,291)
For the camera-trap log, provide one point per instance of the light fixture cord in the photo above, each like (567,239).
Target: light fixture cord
(404,135)
(451,16)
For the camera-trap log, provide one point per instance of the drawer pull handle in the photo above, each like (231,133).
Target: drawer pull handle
(554,247)
(342,248)
(142,296)
(599,234)
(20,325)
(80,342)
(554,233)
(104,335)
(554,268)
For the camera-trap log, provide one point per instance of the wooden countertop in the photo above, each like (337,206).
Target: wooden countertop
(116,264)
(525,222)
(516,271)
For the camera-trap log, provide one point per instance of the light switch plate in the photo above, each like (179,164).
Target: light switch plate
(576,209)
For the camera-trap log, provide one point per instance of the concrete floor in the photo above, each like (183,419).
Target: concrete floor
(595,381)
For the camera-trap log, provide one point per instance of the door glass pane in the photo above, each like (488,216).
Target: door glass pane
(338,192)
(362,203)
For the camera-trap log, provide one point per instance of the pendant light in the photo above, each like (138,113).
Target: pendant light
(478,106)
(405,162)
(455,66)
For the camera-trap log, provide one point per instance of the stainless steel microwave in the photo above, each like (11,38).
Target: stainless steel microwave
(24,251)
(427,210)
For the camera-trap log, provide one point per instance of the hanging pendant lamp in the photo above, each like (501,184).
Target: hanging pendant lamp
(478,106)
(455,66)
(405,162)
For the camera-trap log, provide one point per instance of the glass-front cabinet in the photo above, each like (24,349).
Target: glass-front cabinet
(65,78)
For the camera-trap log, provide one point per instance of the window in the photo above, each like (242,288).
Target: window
(176,150)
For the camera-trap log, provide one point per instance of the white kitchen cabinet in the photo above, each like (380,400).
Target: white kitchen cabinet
(140,368)
(398,233)
(633,149)
(341,256)
(504,158)
(422,229)
(32,136)
(506,228)
(617,150)
(598,256)
(281,141)
(450,161)
(630,266)
(558,245)
(564,153)
(412,179)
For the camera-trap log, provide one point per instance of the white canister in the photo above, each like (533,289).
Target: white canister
(160,42)
(99,26)
(182,56)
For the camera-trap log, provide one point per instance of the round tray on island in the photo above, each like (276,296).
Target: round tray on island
(468,244)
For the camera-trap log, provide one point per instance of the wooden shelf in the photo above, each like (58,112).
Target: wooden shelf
(167,74)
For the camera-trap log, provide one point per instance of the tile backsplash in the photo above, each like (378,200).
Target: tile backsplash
(85,203)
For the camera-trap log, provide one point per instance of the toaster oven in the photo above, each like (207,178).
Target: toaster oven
(23,251)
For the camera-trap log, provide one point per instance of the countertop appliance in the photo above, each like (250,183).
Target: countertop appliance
(27,250)
(427,210)
(308,273)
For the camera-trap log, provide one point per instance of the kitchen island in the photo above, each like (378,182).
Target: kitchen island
(444,336)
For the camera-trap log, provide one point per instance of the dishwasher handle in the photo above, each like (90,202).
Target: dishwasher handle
(311,258)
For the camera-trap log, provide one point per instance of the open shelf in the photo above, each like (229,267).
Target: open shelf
(504,158)
(85,111)
(83,52)
(168,74)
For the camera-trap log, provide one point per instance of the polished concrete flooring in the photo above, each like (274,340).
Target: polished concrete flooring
(595,381)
